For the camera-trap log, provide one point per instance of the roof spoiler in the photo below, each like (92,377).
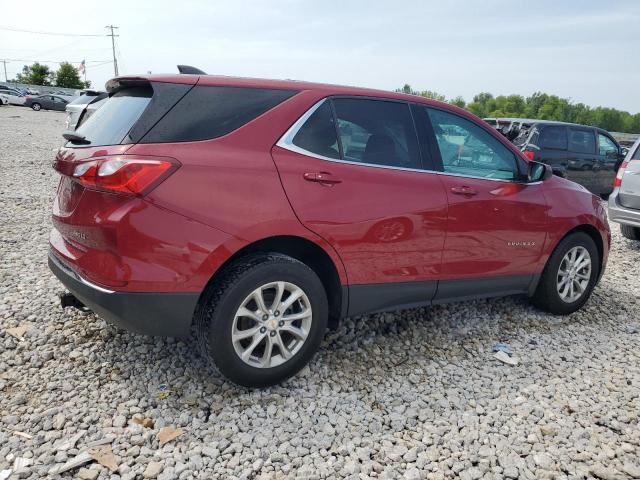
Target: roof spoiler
(187,69)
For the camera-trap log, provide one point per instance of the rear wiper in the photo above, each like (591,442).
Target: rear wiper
(75,138)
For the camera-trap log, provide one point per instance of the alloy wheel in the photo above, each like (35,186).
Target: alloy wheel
(574,274)
(271,324)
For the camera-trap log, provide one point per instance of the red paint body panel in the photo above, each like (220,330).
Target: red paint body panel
(484,230)
(571,206)
(387,225)
(379,225)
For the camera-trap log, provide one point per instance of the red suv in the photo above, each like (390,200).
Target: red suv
(261,212)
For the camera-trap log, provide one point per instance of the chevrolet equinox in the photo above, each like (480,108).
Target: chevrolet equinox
(261,212)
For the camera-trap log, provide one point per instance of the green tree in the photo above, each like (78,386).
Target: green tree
(67,76)
(458,102)
(482,104)
(542,106)
(407,89)
(36,74)
(433,95)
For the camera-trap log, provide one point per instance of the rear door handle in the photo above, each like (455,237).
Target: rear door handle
(464,190)
(324,178)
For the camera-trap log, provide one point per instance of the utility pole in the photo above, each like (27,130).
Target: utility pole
(5,70)
(113,48)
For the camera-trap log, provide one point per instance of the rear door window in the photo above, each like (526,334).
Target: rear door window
(377,132)
(111,123)
(554,137)
(581,140)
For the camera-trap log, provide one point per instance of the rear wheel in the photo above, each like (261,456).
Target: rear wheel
(36,106)
(569,276)
(263,320)
(632,233)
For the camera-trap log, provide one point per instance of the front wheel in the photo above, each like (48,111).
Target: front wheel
(36,106)
(569,276)
(263,320)
(632,233)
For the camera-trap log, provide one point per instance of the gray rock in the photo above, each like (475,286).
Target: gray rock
(153,469)
(386,395)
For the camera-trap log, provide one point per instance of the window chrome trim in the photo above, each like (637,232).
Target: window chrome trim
(286,142)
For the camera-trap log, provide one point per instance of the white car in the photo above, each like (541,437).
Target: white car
(82,106)
(13,97)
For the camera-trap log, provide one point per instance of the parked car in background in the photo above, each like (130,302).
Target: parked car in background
(624,202)
(76,107)
(91,109)
(46,102)
(262,211)
(586,155)
(491,121)
(14,97)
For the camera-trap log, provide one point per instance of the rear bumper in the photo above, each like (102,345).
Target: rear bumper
(161,314)
(620,214)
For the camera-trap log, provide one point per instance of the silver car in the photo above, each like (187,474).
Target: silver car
(624,202)
(78,106)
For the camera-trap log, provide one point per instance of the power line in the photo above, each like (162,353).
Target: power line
(53,61)
(58,34)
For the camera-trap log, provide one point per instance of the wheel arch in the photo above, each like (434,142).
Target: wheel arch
(594,233)
(307,252)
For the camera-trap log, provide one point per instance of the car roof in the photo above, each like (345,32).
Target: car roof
(568,124)
(229,81)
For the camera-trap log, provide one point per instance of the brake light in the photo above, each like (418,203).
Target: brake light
(123,174)
(530,154)
(618,180)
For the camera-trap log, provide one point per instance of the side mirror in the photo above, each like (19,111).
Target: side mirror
(538,172)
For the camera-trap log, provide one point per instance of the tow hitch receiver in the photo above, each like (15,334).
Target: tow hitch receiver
(69,300)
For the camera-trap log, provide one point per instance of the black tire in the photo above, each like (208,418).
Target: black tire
(546,296)
(630,232)
(217,308)
(36,106)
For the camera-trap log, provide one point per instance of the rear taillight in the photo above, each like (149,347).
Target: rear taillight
(530,154)
(131,175)
(618,180)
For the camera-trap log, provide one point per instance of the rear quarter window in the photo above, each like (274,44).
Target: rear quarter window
(210,112)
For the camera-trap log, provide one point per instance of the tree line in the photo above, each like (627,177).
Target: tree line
(541,106)
(66,76)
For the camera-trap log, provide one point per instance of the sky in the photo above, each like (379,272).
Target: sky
(585,50)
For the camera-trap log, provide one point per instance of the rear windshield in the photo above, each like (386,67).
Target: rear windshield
(636,155)
(111,123)
(82,100)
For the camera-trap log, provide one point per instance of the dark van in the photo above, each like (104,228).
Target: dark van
(586,155)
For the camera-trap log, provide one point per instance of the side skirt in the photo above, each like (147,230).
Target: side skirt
(386,297)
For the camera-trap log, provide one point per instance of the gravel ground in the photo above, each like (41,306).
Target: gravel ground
(415,394)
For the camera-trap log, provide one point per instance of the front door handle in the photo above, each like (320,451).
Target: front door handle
(325,178)
(464,190)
